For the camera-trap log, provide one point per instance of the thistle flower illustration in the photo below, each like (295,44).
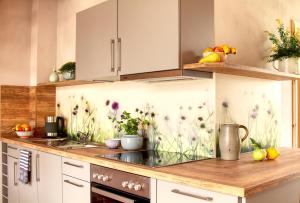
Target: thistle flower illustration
(115,106)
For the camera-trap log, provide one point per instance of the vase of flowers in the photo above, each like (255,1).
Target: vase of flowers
(285,52)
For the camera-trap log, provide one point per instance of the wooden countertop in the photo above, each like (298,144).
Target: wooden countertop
(241,178)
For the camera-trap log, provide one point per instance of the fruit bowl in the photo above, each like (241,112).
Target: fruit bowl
(113,143)
(25,134)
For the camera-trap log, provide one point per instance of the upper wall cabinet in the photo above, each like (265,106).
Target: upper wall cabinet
(96,36)
(149,35)
(132,36)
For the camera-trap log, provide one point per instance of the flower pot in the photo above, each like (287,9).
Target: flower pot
(293,65)
(53,77)
(281,65)
(132,142)
(68,75)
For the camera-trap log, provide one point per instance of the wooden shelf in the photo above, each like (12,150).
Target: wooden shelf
(240,70)
(66,83)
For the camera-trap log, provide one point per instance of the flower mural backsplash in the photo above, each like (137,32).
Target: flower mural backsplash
(173,116)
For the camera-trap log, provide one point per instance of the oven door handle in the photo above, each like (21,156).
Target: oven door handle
(112,195)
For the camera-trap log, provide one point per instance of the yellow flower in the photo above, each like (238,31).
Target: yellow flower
(279,22)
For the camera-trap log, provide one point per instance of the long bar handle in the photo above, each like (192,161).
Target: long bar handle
(71,164)
(112,195)
(15,171)
(37,168)
(209,199)
(120,54)
(10,147)
(112,44)
(71,183)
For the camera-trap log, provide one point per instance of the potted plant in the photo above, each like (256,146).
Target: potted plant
(285,50)
(129,126)
(68,70)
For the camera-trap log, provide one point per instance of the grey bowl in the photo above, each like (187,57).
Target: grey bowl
(132,142)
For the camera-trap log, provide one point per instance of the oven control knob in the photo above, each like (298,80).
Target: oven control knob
(125,184)
(99,177)
(105,178)
(95,175)
(137,187)
(130,185)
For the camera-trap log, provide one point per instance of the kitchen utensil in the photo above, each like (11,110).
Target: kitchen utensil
(51,126)
(113,143)
(132,142)
(60,121)
(230,141)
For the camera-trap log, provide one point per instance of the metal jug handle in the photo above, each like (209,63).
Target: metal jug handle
(246,130)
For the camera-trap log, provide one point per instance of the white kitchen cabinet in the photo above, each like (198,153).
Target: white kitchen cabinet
(49,178)
(149,34)
(96,42)
(175,193)
(13,184)
(76,181)
(75,190)
(28,193)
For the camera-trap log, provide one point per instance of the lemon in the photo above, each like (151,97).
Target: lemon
(211,58)
(272,153)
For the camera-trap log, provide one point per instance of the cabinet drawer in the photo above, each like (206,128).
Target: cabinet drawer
(76,169)
(171,192)
(12,150)
(75,190)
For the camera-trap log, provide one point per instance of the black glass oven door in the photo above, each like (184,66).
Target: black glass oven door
(102,194)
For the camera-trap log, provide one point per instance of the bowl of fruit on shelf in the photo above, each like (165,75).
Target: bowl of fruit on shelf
(217,54)
(23,130)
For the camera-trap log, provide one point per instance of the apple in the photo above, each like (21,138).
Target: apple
(27,128)
(218,49)
(259,154)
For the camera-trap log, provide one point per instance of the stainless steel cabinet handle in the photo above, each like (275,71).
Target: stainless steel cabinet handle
(120,54)
(10,147)
(112,44)
(15,175)
(71,183)
(37,168)
(71,164)
(209,199)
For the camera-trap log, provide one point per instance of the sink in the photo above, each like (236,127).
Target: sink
(63,143)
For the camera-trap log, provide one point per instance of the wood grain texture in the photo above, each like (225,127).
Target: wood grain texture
(240,70)
(242,178)
(66,83)
(14,106)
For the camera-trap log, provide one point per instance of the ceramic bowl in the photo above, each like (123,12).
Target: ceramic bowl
(24,134)
(113,143)
(131,142)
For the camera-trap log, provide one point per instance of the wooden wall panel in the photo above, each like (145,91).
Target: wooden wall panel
(14,107)
(20,104)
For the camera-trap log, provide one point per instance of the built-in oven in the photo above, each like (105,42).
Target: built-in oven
(114,186)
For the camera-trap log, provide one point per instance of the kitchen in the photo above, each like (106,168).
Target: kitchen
(149,101)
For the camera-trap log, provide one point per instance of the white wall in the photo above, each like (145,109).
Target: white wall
(15,22)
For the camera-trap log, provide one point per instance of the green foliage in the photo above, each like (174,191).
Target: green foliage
(128,124)
(285,45)
(68,67)
(255,144)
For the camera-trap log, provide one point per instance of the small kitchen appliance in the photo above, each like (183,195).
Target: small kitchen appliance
(51,126)
(230,141)
(110,185)
(60,121)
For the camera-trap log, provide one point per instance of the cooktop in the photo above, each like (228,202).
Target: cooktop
(153,158)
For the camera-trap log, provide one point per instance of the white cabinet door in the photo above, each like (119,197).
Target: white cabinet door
(96,36)
(49,177)
(75,190)
(13,173)
(149,33)
(29,192)
(171,192)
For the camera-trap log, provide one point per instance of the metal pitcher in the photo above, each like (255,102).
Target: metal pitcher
(230,141)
